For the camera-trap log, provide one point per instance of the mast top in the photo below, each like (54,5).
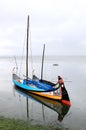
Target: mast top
(27,48)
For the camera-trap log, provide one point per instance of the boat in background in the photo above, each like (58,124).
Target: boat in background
(41,87)
(56,106)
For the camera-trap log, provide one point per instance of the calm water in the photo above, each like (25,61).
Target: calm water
(14,104)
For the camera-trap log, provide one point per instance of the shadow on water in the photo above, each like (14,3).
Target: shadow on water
(58,107)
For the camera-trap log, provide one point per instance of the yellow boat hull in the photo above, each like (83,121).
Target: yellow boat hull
(48,95)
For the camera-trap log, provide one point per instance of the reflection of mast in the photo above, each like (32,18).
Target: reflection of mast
(43,112)
(27,107)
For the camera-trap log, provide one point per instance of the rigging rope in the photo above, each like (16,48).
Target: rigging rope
(22,56)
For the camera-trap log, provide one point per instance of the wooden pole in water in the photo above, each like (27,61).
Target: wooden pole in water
(27,49)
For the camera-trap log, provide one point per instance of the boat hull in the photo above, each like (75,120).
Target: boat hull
(49,95)
(52,95)
(36,91)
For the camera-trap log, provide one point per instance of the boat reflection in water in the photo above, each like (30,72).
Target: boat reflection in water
(59,107)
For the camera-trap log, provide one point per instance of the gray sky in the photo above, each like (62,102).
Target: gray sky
(60,24)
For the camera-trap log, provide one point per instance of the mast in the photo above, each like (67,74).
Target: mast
(42,62)
(27,49)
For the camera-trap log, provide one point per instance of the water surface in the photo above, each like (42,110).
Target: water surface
(14,104)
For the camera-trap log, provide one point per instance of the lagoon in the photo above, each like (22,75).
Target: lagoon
(73,71)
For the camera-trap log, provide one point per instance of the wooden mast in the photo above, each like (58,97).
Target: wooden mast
(27,49)
(42,62)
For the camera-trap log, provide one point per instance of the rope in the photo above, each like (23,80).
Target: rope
(22,58)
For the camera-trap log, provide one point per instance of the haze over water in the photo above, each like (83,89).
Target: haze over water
(73,71)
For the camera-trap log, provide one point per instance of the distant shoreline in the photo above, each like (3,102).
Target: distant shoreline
(49,58)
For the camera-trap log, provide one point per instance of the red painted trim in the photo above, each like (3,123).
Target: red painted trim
(66,102)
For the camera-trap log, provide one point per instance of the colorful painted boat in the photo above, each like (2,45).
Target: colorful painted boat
(42,87)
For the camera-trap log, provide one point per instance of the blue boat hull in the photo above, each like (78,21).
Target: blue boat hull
(32,85)
(27,87)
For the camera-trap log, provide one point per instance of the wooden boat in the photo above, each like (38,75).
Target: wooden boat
(56,106)
(41,87)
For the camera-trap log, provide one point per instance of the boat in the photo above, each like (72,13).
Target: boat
(41,87)
(56,106)
(55,64)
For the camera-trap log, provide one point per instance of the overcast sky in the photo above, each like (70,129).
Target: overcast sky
(60,24)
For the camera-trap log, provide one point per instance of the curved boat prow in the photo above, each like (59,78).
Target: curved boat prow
(65,96)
